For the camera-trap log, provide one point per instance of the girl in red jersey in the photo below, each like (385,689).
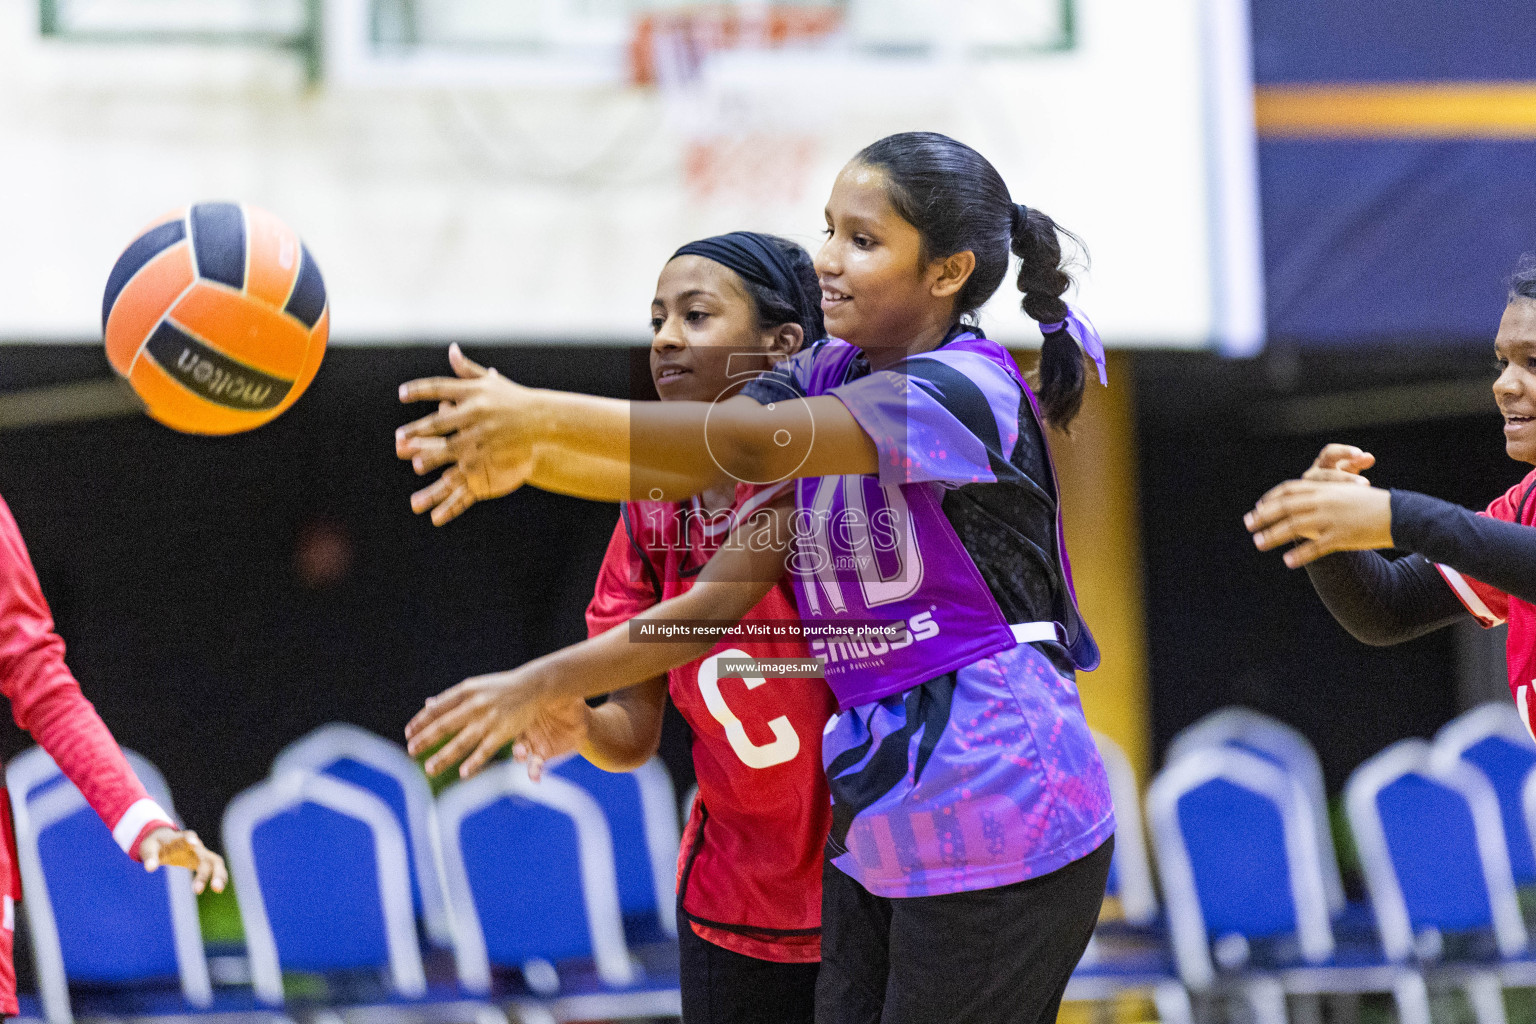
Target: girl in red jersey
(47,702)
(1461,563)
(749,873)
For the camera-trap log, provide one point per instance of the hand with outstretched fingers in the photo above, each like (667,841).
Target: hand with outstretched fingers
(1340,463)
(182,849)
(476,433)
(557,731)
(479,717)
(1324,516)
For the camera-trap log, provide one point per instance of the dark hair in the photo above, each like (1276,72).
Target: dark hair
(775,309)
(958,202)
(1522,283)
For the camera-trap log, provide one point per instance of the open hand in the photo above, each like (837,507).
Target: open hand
(1325,515)
(477,718)
(184,850)
(479,432)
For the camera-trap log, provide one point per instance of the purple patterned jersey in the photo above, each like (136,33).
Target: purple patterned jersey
(961,759)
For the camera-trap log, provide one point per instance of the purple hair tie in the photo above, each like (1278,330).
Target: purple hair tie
(1085,334)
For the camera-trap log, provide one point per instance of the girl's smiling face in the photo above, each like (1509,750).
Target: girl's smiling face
(1515,390)
(877,290)
(701,318)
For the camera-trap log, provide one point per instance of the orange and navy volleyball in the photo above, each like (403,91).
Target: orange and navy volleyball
(217,315)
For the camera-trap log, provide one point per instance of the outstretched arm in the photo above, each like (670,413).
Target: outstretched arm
(483,714)
(1382,602)
(1331,510)
(47,702)
(494,436)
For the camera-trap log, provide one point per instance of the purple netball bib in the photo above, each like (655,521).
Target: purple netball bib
(881,576)
(889,595)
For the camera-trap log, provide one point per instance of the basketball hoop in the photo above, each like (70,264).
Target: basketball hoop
(735,150)
(670,46)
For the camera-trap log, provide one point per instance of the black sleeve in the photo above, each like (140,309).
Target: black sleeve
(1383,601)
(1500,554)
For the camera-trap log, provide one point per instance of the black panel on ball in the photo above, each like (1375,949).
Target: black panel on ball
(308,299)
(144,248)
(218,241)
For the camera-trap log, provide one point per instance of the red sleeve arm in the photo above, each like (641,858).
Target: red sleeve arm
(47,702)
(629,581)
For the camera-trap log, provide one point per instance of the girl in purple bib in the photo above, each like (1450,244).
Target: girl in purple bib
(972,824)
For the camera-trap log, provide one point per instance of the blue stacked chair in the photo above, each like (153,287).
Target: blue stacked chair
(1245,892)
(532,887)
(1494,740)
(93,914)
(1457,887)
(1273,740)
(356,755)
(641,810)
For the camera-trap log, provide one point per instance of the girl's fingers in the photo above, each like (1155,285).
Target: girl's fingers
(220,872)
(535,768)
(456,749)
(442,723)
(456,504)
(486,749)
(463,365)
(1333,454)
(1335,476)
(1270,510)
(431,496)
(1308,551)
(204,872)
(434,389)
(444,421)
(427,453)
(1294,526)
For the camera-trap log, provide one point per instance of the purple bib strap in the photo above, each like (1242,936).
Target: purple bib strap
(1083,648)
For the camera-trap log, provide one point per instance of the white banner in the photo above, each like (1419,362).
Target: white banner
(446,199)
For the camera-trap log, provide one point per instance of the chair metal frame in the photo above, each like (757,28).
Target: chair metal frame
(1418,757)
(600,891)
(658,809)
(265,800)
(1138,896)
(336,741)
(1264,991)
(595,842)
(33,817)
(1287,745)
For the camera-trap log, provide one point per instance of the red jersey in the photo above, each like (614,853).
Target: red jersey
(1492,606)
(47,702)
(749,871)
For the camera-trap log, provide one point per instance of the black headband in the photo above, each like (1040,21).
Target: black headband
(757,258)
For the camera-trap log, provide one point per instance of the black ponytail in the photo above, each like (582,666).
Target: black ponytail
(1044,280)
(958,202)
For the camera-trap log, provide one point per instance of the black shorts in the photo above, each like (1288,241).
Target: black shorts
(989,956)
(724,987)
